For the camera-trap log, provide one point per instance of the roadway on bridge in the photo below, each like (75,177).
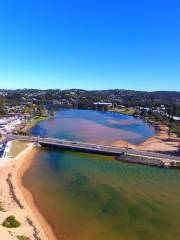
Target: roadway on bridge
(76,145)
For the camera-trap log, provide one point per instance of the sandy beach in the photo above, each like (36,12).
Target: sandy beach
(17,201)
(162,141)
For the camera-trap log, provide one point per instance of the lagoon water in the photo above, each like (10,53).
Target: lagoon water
(90,197)
(94,126)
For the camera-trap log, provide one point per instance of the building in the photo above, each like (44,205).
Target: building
(103,104)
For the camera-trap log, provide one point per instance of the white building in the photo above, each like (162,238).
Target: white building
(176,118)
(103,104)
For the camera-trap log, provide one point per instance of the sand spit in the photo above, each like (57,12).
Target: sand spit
(17,201)
(162,142)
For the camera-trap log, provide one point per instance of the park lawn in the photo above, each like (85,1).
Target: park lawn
(17,147)
(33,122)
(126,111)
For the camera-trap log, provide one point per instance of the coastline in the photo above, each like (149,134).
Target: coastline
(29,197)
(163,142)
(33,224)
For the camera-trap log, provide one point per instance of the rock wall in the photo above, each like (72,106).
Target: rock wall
(141,160)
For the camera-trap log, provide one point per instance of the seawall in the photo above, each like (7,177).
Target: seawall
(124,156)
(148,161)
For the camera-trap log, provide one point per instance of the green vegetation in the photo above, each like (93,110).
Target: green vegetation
(17,147)
(22,133)
(11,222)
(22,238)
(2,106)
(126,111)
(33,122)
(174,126)
(35,100)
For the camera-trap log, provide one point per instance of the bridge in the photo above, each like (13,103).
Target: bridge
(130,155)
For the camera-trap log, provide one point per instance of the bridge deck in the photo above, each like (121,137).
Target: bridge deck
(89,147)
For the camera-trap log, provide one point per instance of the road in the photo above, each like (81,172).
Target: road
(94,148)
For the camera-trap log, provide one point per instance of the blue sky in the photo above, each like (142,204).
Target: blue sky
(90,44)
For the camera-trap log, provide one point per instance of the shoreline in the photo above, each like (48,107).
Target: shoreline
(162,142)
(28,126)
(29,197)
(18,201)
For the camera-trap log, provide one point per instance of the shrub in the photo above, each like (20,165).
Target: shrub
(23,133)
(11,222)
(22,238)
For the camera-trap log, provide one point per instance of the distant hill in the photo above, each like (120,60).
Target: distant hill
(80,96)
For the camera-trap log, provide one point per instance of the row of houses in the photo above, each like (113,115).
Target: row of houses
(159,110)
(9,124)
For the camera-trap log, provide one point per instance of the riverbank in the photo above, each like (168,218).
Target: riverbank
(124,111)
(32,123)
(163,142)
(18,202)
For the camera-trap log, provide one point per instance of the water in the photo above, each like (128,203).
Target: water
(94,126)
(89,197)
(85,197)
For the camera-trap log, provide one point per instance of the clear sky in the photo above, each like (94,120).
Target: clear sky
(90,44)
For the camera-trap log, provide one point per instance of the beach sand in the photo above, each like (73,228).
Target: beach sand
(162,141)
(123,144)
(17,201)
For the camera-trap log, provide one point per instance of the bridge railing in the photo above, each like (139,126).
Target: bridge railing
(87,145)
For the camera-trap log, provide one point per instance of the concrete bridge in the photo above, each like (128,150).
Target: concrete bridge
(122,154)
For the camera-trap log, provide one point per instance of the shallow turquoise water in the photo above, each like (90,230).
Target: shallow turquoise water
(85,197)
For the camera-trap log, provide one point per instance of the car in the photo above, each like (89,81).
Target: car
(97,147)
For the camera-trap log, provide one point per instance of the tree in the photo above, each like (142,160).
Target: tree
(2,107)
(144,113)
(41,111)
(179,149)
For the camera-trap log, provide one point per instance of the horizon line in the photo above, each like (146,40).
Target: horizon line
(88,90)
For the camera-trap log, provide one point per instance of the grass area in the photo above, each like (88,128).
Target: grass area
(11,222)
(17,147)
(33,122)
(22,238)
(126,111)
